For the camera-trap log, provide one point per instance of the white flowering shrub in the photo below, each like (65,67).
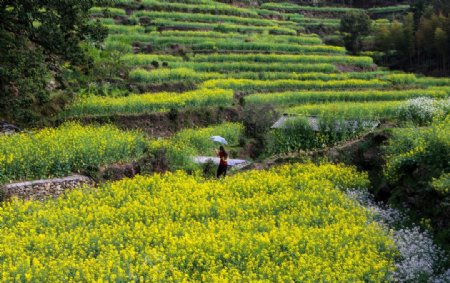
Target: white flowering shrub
(419,255)
(419,258)
(422,110)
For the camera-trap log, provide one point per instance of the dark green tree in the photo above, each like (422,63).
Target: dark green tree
(39,41)
(354,26)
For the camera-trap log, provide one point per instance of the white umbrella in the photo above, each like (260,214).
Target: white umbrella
(219,139)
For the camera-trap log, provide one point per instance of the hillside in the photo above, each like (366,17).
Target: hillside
(171,74)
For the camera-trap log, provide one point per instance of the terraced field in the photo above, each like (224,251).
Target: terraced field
(293,222)
(261,53)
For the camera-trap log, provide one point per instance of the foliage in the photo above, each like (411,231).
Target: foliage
(300,133)
(355,25)
(166,228)
(61,151)
(184,145)
(422,110)
(416,167)
(37,38)
(257,120)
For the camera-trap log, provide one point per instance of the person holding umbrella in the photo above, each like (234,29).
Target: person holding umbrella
(223,156)
(223,163)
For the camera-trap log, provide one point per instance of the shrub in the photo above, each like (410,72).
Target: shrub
(422,110)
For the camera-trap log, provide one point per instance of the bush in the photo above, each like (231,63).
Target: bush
(257,121)
(298,133)
(417,170)
(422,110)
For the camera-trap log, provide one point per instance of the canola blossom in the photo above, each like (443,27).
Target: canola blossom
(291,223)
(148,103)
(69,148)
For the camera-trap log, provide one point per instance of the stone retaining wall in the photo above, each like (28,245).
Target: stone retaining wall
(42,189)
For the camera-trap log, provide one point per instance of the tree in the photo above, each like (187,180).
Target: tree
(355,25)
(441,45)
(409,45)
(39,40)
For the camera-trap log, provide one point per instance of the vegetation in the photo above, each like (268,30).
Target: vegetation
(355,25)
(148,103)
(297,97)
(417,168)
(299,133)
(421,40)
(184,145)
(39,40)
(173,221)
(61,151)
(350,110)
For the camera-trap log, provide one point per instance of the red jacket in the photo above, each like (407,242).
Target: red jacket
(223,158)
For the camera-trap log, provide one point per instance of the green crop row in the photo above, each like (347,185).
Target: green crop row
(148,103)
(215,9)
(293,8)
(251,86)
(271,58)
(222,27)
(163,75)
(213,35)
(318,22)
(160,76)
(430,81)
(107,12)
(355,110)
(298,97)
(229,45)
(194,37)
(305,76)
(389,9)
(147,59)
(208,18)
(228,67)
(124,29)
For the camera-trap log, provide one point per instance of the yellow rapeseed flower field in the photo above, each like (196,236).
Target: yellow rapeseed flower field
(66,149)
(288,224)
